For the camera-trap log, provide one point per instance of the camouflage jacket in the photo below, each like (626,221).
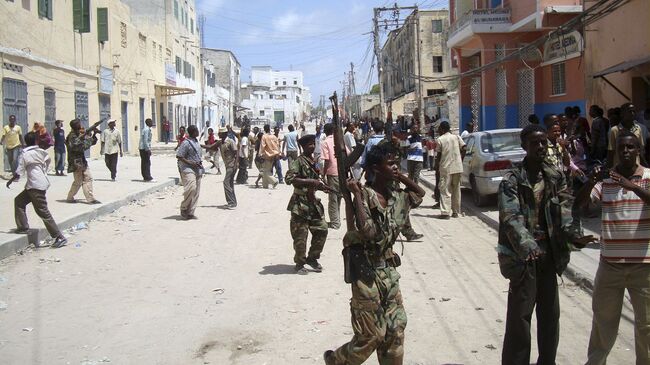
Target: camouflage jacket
(303,202)
(385,224)
(77,144)
(518,213)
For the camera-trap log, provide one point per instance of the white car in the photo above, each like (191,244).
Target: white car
(489,155)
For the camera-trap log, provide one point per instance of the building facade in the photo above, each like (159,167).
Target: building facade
(227,76)
(543,80)
(276,97)
(405,65)
(617,58)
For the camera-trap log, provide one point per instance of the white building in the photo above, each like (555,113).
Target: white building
(216,105)
(227,77)
(276,97)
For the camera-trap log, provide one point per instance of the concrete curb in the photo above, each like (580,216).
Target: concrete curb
(13,246)
(577,276)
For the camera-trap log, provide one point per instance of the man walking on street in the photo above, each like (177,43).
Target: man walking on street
(307,213)
(628,123)
(59,148)
(278,161)
(450,152)
(242,174)
(535,228)
(12,138)
(290,144)
(167,129)
(624,195)
(33,163)
(415,157)
(191,169)
(145,150)
(331,173)
(111,146)
(269,151)
(229,153)
(78,141)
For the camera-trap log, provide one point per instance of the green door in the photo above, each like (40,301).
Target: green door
(278,117)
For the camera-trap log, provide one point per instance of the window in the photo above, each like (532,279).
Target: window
(45,9)
(81,15)
(558,79)
(142,44)
(276,83)
(102,24)
(436,26)
(270,96)
(284,82)
(432,92)
(295,82)
(437,63)
(261,113)
(123,34)
(176,9)
(192,25)
(178,65)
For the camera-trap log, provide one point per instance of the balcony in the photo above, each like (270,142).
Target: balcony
(479,21)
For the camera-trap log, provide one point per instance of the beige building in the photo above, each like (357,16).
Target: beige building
(404,64)
(92,62)
(617,57)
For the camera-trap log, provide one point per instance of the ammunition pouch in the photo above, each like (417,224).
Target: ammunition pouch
(358,264)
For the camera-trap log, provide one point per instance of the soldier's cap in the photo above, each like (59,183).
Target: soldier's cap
(222,130)
(306,139)
(111,121)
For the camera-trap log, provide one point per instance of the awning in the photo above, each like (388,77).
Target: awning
(240,108)
(622,67)
(167,90)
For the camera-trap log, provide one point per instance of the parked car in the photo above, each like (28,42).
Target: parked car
(490,154)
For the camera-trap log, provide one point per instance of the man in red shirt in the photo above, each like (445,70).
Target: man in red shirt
(330,172)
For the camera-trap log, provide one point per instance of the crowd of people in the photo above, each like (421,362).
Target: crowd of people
(571,169)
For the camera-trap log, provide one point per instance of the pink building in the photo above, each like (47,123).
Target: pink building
(546,79)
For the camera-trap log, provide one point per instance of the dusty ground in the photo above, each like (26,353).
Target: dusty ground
(140,287)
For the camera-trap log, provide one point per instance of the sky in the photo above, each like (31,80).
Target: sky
(318,37)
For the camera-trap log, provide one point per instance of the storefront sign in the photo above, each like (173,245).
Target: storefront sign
(170,74)
(558,48)
(491,16)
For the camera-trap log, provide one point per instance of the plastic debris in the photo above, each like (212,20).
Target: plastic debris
(50,259)
(219,290)
(79,226)
(490,347)
(28,329)
(3,305)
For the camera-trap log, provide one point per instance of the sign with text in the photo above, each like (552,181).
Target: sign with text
(170,74)
(556,48)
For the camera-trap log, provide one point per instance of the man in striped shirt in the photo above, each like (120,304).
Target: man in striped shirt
(625,252)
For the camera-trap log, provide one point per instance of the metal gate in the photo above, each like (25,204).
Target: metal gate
(475,101)
(14,101)
(526,94)
(50,108)
(81,110)
(104,109)
(502,97)
(141,114)
(125,125)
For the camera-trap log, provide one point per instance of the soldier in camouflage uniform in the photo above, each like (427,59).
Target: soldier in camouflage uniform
(378,316)
(536,226)
(307,214)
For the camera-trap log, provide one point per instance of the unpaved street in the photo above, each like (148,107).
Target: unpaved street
(141,287)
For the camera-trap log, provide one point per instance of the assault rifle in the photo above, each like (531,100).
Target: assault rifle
(344,162)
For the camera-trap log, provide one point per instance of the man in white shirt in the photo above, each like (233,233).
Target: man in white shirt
(111,145)
(34,163)
(145,151)
(450,151)
(350,143)
(242,174)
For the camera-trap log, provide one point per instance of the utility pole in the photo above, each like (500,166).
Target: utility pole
(418,46)
(353,90)
(380,65)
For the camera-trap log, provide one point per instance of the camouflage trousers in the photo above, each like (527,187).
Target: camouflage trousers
(378,321)
(300,228)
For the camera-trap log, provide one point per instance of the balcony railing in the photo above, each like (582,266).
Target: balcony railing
(480,17)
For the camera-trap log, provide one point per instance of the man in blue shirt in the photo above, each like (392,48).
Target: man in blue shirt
(378,128)
(290,141)
(145,151)
(59,148)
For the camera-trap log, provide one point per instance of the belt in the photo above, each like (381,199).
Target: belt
(300,192)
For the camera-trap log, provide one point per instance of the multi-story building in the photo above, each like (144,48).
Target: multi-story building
(617,57)
(276,97)
(216,104)
(78,61)
(227,76)
(175,23)
(544,79)
(405,64)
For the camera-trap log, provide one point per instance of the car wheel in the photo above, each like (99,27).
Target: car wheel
(478,199)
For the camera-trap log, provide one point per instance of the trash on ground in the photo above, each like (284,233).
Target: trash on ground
(49,259)
(445,299)
(28,329)
(3,305)
(490,347)
(219,290)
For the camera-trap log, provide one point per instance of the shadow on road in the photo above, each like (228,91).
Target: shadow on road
(177,217)
(278,269)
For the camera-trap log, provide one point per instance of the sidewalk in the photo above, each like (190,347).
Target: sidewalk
(128,187)
(584,263)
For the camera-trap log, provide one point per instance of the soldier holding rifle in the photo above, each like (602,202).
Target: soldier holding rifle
(77,142)
(307,212)
(374,219)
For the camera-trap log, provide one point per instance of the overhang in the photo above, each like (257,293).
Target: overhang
(622,67)
(167,90)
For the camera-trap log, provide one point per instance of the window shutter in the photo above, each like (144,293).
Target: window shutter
(49,8)
(102,24)
(42,8)
(85,16)
(76,15)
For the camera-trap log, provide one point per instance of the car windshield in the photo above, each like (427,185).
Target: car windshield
(500,142)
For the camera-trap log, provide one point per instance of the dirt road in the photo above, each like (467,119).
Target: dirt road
(140,287)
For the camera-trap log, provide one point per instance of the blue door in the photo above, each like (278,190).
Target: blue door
(125,125)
